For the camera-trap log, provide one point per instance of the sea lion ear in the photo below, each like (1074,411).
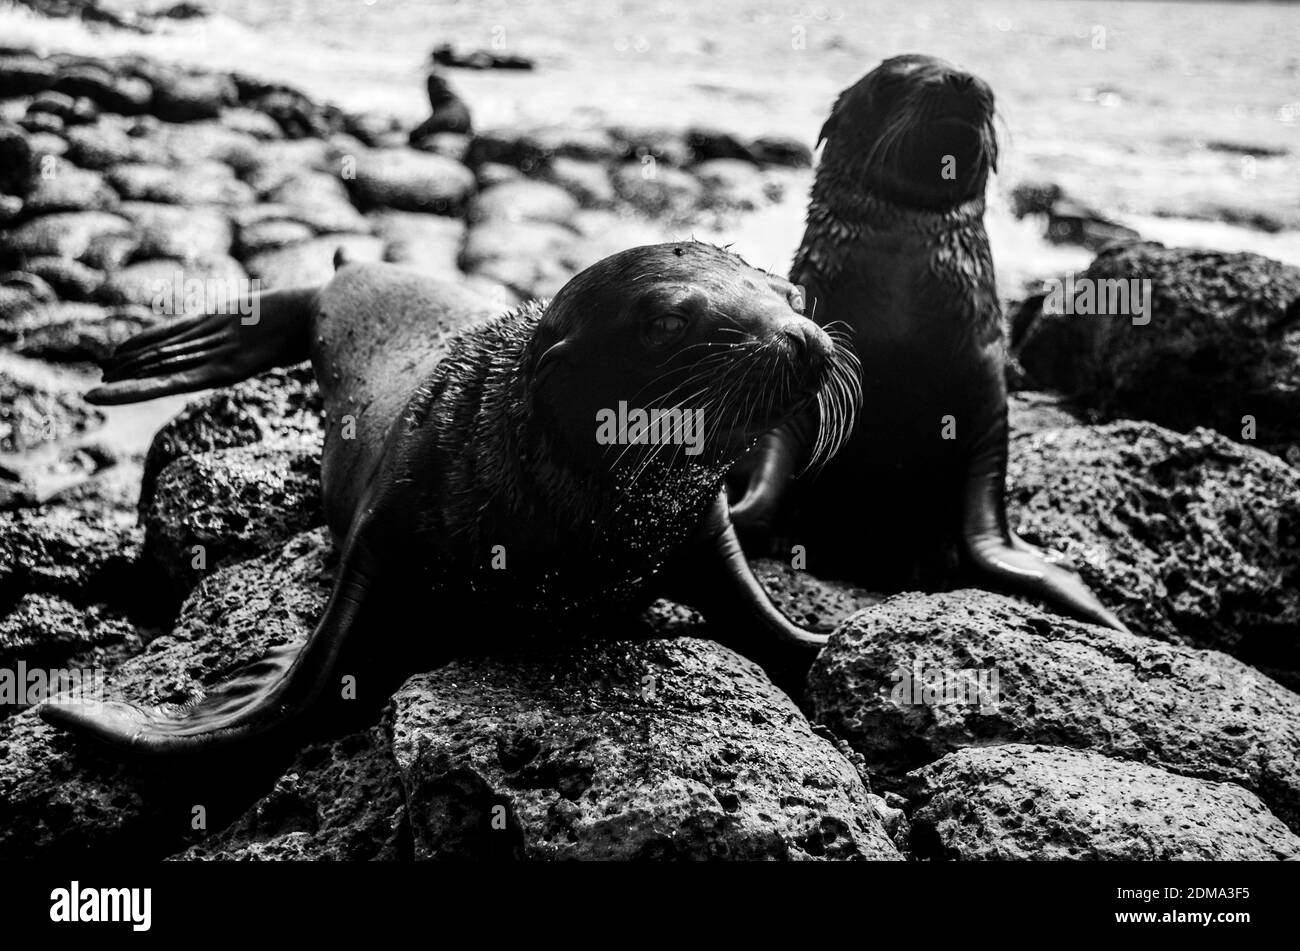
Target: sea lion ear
(554,355)
(827,128)
(833,120)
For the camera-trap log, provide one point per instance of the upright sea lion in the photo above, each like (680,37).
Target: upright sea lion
(476,437)
(895,250)
(450,114)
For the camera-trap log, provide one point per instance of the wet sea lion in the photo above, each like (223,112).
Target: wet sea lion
(477,437)
(895,250)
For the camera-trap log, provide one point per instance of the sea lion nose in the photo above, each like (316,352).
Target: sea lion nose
(809,343)
(960,81)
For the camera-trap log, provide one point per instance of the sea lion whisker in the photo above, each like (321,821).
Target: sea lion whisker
(702,345)
(617,462)
(826,416)
(837,404)
(748,404)
(723,398)
(894,130)
(742,382)
(701,369)
(703,372)
(695,372)
(897,137)
(730,323)
(679,445)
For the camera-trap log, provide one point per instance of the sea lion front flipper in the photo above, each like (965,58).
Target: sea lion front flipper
(995,550)
(763,476)
(720,584)
(761,479)
(259,698)
(196,353)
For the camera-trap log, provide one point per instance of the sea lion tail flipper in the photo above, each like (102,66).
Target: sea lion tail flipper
(258,698)
(264,330)
(997,551)
(721,585)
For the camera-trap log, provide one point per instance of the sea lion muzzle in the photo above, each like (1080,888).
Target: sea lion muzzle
(811,347)
(916,131)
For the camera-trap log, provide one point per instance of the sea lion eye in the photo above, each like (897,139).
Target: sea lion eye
(664,330)
(797,300)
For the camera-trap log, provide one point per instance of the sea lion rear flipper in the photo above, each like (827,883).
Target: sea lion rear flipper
(720,584)
(259,698)
(195,353)
(996,550)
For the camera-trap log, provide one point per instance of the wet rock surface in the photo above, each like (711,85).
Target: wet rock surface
(1192,538)
(224,505)
(47,630)
(336,802)
(64,549)
(1041,803)
(59,797)
(75,333)
(807,600)
(278,409)
(32,414)
(658,750)
(924,675)
(1221,349)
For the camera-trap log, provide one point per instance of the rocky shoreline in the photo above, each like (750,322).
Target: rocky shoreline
(1180,741)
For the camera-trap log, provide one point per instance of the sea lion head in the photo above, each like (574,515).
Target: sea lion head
(915,131)
(438,89)
(690,327)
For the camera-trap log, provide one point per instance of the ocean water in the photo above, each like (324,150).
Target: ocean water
(1152,111)
(1137,88)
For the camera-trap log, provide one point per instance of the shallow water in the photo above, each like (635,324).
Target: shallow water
(126,432)
(1142,109)
(1126,125)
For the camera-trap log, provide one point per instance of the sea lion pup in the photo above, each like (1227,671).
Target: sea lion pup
(480,438)
(895,250)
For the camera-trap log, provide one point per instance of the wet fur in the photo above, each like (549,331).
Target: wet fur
(896,250)
(449,434)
